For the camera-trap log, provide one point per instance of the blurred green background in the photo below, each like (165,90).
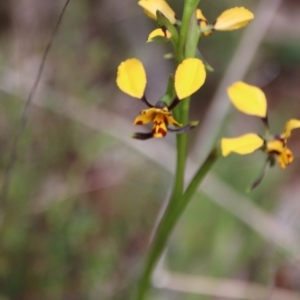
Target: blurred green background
(84,197)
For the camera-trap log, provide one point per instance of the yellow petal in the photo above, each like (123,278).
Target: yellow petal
(233,18)
(285,158)
(145,117)
(248,99)
(159,32)
(131,78)
(244,144)
(277,146)
(189,77)
(290,125)
(151,6)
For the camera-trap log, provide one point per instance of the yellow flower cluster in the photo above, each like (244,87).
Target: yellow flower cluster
(189,75)
(252,101)
(230,19)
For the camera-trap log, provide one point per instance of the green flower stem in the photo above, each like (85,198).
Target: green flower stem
(193,185)
(193,37)
(168,223)
(181,143)
(182,111)
(189,34)
(188,10)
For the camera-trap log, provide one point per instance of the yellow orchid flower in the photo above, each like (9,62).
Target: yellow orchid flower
(230,19)
(152,6)
(160,117)
(131,79)
(251,100)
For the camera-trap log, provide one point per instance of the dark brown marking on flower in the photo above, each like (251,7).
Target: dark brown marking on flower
(162,131)
(199,21)
(274,152)
(139,123)
(164,30)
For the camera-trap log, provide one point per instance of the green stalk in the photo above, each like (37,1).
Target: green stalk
(189,34)
(188,10)
(182,111)
(168,223)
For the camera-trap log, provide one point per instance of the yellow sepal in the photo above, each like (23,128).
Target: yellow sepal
(189,77)
(289,126)
(244,144)
(233,18)
(248,99)
(131,78)
(151,6)
(158,32)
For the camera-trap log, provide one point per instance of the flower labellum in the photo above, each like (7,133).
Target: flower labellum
(160,117)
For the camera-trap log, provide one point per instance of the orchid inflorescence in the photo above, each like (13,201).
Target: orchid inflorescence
(230,19)
(189,77)
(251,100)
